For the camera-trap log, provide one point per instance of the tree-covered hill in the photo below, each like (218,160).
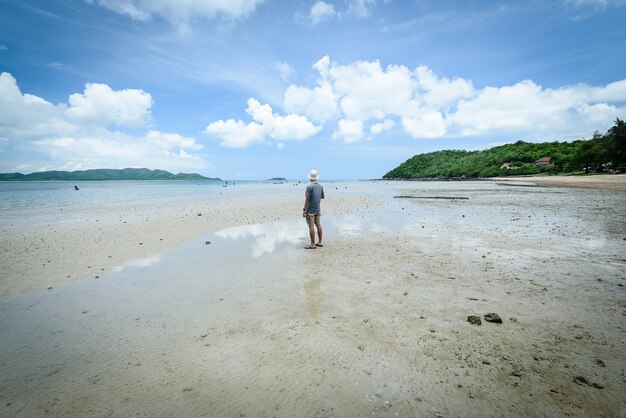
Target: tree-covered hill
(601,153)
(102,174)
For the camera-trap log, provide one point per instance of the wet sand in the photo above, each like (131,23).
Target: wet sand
(374,323)
(602,181)
(46,248)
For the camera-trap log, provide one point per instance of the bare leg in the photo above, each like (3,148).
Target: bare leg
(312,233)
(318,224)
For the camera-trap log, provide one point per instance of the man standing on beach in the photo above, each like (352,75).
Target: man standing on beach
(313,195)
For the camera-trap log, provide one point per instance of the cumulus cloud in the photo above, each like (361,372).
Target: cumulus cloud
(526,107)
(383,126)
(318,103)
(102,106)
(180,13)
(265,124)
(321,11)
(349,130)
(428,105)
(76,135)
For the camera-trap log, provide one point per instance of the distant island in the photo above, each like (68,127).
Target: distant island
(277,179)
(601,154)
(103,174)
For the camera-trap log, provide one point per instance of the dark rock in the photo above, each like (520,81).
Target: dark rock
(207,242)
(516,372)
(493,317)
(361,347)
(598,385)
(600,362)
(581,380)
(474,319)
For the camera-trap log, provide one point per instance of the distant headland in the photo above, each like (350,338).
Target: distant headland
(103,174)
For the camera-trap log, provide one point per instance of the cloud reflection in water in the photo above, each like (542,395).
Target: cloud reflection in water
(266,236)
(140,262)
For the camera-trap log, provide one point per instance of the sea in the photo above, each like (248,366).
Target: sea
(53,194)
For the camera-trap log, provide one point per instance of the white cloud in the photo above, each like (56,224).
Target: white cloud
(285,70)
(3,47)
(432,106)
(102,106)
(266,124)
(321,11)
(180,13)
(368,91)
(75,135)
(360,8)
(440,92)
(318,103)
(525,108)
(349,130)
(428,124)
(598,4)
(383,126)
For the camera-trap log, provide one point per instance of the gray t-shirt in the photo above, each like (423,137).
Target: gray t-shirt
(315,192)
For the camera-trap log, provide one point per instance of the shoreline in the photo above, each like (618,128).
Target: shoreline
(597,181)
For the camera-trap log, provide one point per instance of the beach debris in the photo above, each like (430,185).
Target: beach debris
(598,385)
(493,317)
(199,214)
(361,347)
(50,288)
(600,362)
(581,380)
(513,319)
(474,319)
(207,242)
(516,372)
(405,293)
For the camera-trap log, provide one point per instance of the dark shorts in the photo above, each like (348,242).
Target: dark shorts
(312,218)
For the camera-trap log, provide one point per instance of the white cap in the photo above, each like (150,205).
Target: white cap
(313,175)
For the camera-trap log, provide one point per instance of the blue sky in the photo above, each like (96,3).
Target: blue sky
(252,89)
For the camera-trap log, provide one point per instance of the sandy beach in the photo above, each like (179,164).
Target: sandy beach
(602,181)
(373,323)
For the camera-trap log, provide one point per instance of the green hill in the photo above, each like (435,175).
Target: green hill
(601,153)
(102,174)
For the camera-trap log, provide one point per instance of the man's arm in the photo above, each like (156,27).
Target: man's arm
(307,199)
